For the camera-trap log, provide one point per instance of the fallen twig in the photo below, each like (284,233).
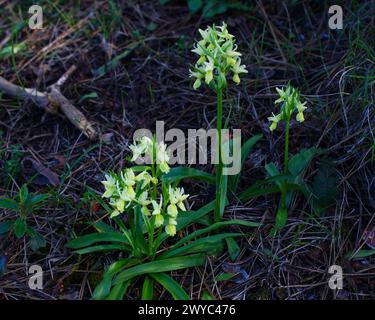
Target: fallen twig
(51,101)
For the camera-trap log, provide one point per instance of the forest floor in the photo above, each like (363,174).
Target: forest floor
(133,60)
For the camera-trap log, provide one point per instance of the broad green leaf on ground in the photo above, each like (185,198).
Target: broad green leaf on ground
(92,238)
(103,289)
(257,190)
(8,204)
(104,247)
(233,248)
(162,265)
(171,286)
(200,245)
(19,228)
(118,291)
(102,227)
(206,296)
(6,226)
(148,288)
(301,160)
(214,227)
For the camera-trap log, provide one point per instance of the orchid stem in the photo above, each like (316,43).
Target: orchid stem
(219,167)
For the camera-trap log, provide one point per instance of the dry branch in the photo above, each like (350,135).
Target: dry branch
(51,101)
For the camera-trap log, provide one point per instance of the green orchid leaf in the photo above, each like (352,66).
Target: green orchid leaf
(92,238)
(207,296)
(172,286)
(205,245)
(233,248)
(214,227)
(104,247)
(186,218)
(148,289)
(301,160)
(103,289)
(118,291)
(162,265)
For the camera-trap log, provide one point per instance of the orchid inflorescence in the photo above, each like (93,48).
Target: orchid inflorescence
(291,101)
(127,190)
(218,56)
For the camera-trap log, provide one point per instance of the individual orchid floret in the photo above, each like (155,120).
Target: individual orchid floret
(209,70)
(300,107)
(238,69)
(146,179)
(283,94)
(275,120)
(176,199)
(162,157)
(110,186)
(141,147)
(127,194)
(157,207)
(170,228)
(128,177)
(198,74)
(144,201)
(177,196)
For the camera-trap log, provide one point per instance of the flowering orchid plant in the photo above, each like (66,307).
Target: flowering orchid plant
(290,101)
(149,209)
(290,179)
(218,58)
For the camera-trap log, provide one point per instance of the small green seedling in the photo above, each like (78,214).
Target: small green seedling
(23,204)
